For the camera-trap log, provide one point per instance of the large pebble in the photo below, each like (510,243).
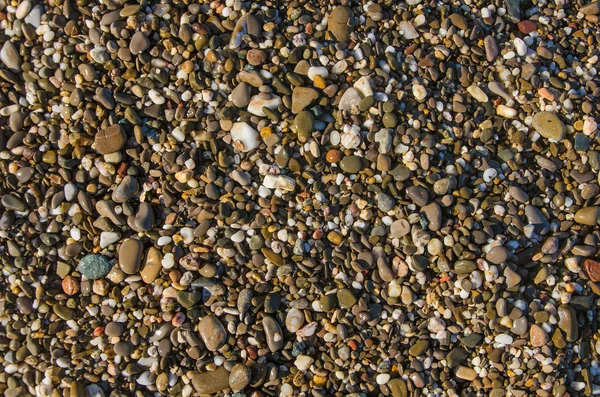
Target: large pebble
(139,43)
(94,267)
(240,377)
(212,332)
(273,333)
(567,321)
(549,126)
(111,139)
(10,57)
(340,23)
(245,138)
(130,256)
(211,381)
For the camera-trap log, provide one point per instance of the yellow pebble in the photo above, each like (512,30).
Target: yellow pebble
(319,380)
(320,82)
(265,132)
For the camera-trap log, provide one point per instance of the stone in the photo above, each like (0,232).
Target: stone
(548,125)
(592,268)
(239,377)
(459,21)
(212,332)
(256,57)
(303,362)
(346,298)
(385,202)
(464,266)
(407,30)
(130,255)
(497,255)
(9,55)
(111,139)
(465,373)
(400,228)
(94,267)
(282,182)
(258,103)
(244,137)
(351,164)
(304,123)
(114,329)
(588,216)
(513,10)
(144,217)
(567,321)
(240,96)
(125,190)
(340,23)
(384,139)
(397,387)
(536,218)
(537,336)
(518,194)
(303,97)
(592,8)
(418,195)
(152,265)
(456,357)
(13,203)
(211,381)
(419,348)
(247,24)
(491,48)
(350,99)
(385,273)
(512,278)
(477,93)
(273,333)
(139,43)
(294,320)
(433,213)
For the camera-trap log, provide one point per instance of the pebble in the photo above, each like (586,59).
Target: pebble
(340,23)
(239,377)
(244,137)
(212,332)
(537,336)
(497,255)
(9,55)
(211,381)
(351,164)
(139,43)
(130,256)
(350,100)
(94,267)
(549,126)
(351,198)
(111,139)
(240,96)
(152,265)
(273,333)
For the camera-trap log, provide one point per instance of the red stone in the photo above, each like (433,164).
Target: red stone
(527,26)
(593,269)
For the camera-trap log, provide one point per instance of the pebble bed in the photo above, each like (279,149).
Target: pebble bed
(306,198)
